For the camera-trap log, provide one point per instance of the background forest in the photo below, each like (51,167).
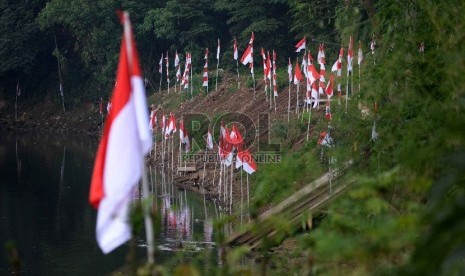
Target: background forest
(405,214)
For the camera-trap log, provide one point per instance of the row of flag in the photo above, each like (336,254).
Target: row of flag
(230,141)
(247,59)
(126,140)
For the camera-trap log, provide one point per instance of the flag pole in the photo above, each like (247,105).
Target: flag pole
(253,79)
(192,82)
(231,189)
(308,122)
(241,197)
(289,103)
(16,107)
(147,217)
(145,187)
(216,82)
(347,88)
(297,101)
(237,69)
(248,196)
(161,77)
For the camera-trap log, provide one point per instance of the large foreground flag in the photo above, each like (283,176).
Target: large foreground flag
(126,140)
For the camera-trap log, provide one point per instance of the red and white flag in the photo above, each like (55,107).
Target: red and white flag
(209,140)
(153,120)
(360,54)
(325,139)
(328,115)
(167,68)
(183,135)
(205,70)
(187,67)
(312,73)
(373,44)
(176,59)
(268,66)
(126,140)
(337,66)
(289,70)
(330,87)
(245,159)
(298,73)
(321,54)
(218,50)
(350,54)
(160,65)
(171,126)
(163,123)
(235,52)
(301,44)
(247,56)
(275,86)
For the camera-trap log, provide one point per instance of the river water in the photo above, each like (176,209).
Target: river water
(44,211)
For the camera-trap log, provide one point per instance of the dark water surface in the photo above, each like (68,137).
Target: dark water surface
(44,186)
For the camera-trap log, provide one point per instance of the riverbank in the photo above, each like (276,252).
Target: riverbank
(49,118)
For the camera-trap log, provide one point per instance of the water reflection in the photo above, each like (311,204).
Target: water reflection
(44,186)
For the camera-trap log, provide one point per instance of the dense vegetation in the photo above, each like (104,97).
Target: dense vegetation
(405,213)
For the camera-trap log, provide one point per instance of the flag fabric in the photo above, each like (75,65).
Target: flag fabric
(325,139)
(304,65)
(268,66)
(183,135)
(275,86)
(218,50)
(289,70)
(265,72)
(373,44)
(209,140)
(359,54)
(153,120)
(235,52)
(163,123)
(312,73)
(314,95)
(61,89)
(187,67)
(328,115)
(171,126)
(374,134)
(298,73)
(160,65)
(329,88)
(245,159)
(177,67)
(301,45)
(247,57)
(350,54)
(337,67)
(321,54)
(18,89)
(205,70)
(176,59)
(167,68)
(126,140)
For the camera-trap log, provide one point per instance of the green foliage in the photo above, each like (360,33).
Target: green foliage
(278,180)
